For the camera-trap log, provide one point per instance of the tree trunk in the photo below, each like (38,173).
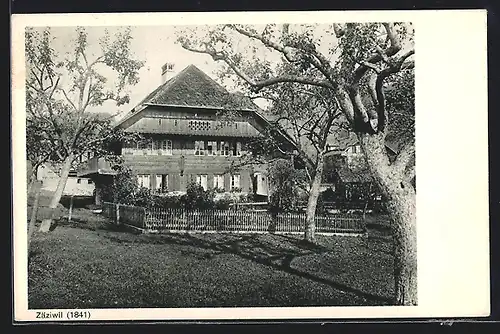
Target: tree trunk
(34,210)
(400,196)
(402,210)
(33,176)
(312,201)
(31,181)
(63,178)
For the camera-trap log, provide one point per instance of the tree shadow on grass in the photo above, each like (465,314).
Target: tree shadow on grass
(275,251)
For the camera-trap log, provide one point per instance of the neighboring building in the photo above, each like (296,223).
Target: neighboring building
(75,185)
(346,169)
(188,137)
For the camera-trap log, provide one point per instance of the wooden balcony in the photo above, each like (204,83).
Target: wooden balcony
(95,166)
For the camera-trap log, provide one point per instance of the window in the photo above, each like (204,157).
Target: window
(212,148)
(356,149)
(219,181)
(144,181)
(199,147)
(89,181)
(161,185)
(235,181)
(79,181)
(237,149)
(164,146)
(224,148)
(202,180)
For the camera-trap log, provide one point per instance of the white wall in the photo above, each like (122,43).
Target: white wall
(73,187)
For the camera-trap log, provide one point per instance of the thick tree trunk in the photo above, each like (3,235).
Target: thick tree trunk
(312,201)
(63,178)
(400,197)
(401,207)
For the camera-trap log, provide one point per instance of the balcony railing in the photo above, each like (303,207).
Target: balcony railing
(95,166)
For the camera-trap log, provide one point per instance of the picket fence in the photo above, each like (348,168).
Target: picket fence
(175,220)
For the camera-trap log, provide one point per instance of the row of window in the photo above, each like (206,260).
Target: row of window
(163,146)
(213,148)
(161,184)
(201,147)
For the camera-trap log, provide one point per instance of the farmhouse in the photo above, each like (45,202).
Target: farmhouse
(193,130)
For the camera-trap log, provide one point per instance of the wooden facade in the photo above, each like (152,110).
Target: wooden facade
(188,138)
(183,163)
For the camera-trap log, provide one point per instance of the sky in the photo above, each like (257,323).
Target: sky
(156,45)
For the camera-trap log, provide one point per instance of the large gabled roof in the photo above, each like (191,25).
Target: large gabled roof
(193,87)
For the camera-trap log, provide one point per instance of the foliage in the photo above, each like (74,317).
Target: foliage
(197,198)
(123,188)
(168,201)
(223,201)
(145,198)
(400,99)
(286,182)
(60,91)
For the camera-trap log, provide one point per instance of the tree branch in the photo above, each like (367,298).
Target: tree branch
(403,158)
(258,85)
(394,47)
(339,30)
(285,50)
(345,104)
(68,99)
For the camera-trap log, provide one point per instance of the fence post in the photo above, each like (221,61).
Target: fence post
(117,214)
(70,208)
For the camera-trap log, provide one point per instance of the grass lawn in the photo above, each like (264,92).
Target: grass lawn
(85,264)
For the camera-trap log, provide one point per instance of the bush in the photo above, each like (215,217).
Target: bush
(197,198)
(223,204)
(123,189)
(224,200)
(144,198)
(286,183)
(168,201)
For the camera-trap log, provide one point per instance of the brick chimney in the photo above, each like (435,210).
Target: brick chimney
(166,72)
